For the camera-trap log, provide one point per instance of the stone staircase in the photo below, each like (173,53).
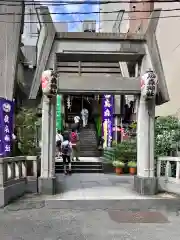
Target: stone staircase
(89,154)
(88,142)
(89,165)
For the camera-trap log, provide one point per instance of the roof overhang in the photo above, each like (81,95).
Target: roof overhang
(117,46)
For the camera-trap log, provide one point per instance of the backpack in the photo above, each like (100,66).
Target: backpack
(74,138)
(65,149)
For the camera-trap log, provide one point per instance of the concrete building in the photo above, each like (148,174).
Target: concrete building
(167,38)
(113,17)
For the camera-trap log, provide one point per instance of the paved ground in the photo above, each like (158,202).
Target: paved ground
(101,224)
(96,186)
(62,217)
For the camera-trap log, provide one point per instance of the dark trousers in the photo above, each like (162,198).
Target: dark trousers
(66,159)
(66,162)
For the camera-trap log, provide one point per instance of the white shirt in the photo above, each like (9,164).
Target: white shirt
(59,137)
(13,136)
(76,119)
(84,112)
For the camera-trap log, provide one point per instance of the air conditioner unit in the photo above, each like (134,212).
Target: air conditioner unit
(89,26)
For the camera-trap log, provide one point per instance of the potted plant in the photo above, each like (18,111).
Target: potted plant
(119,165)
(132,167)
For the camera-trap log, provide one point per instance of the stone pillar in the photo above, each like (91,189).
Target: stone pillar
(145,182)
(47,178)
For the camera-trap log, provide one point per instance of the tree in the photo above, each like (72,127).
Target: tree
(167,135)
(26,121)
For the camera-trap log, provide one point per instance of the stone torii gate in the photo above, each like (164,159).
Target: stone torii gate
(133,48)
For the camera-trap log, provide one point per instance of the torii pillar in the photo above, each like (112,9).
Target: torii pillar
(47,180)
(145,182)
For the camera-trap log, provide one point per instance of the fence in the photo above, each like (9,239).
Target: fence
(16,177)
(168,174)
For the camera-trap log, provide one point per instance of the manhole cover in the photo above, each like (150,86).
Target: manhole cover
(137,217)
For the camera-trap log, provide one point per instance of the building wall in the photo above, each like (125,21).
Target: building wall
(31,25)
(11,28)
(107,20)
(138,20)
(20,73)
(168,38)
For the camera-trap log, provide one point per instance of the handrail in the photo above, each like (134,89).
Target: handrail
(165,168)
(13,169)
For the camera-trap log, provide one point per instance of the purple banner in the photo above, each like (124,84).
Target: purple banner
(6,126)
(107,119)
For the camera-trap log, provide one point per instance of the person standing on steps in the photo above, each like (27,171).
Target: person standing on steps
(66,150)
(75,145)
(85,116)
(76,119)
(59,140)
(76,124)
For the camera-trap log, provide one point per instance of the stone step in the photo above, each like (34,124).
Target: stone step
(78,166)
(89,154)
(79,170)
(81,167)
(87,137)
(88,146)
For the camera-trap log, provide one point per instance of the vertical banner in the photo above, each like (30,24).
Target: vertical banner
(107,119)
(6,126)
(58,113)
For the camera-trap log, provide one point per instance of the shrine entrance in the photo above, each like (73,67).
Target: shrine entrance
(74,103)
(82,69)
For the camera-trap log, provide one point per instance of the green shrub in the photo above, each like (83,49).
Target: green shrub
(118,164)
(132,164)
(126,150)
(26,121)
(167,135)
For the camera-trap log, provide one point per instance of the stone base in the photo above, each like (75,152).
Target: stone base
(108,167)
(145,186)
(47,185)
(32,184)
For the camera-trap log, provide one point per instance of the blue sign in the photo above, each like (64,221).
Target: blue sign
(107,118)
(6,126)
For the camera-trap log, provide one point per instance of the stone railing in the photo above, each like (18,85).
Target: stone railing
(168,174)
(18,175)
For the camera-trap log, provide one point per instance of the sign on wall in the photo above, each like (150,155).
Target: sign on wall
(6,126)
(107,119)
